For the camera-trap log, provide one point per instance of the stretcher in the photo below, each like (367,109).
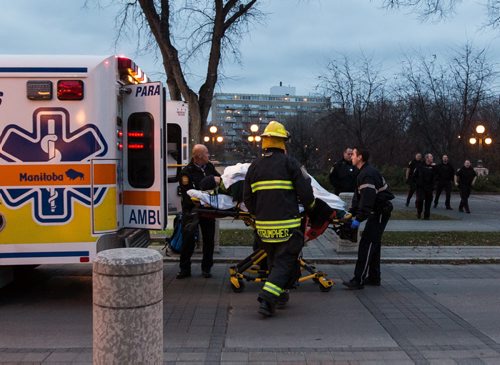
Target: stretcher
(253,268)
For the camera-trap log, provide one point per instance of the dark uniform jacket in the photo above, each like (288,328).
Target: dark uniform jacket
(412,166)
(444,173)
(190,178)
(343,176)
(425,177)
(372,193)
(466,176)
(272,185)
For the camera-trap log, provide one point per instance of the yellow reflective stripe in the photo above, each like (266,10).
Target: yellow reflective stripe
(273,289)
(288,223)
(272,185)
(274,240)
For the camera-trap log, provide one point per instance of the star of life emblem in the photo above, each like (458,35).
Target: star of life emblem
(51,154)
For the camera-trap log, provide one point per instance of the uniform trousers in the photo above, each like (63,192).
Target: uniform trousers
(190,223)
(464,197)
(283,261)
(368,263)
(446,186)
(424,202)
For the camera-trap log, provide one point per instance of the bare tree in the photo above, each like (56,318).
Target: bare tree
(445,100)
(186,30)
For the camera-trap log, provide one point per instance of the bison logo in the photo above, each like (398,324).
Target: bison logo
(73,174)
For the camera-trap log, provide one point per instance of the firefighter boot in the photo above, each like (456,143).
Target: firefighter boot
(266,308)
(283,299)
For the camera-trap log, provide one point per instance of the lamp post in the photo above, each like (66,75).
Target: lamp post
(213,138)
(253,138)
(481,138)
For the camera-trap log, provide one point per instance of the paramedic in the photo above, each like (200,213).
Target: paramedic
(273,184)
(371,202)
(190,178)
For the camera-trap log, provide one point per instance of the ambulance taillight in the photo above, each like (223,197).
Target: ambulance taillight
(140,150)
(70,90)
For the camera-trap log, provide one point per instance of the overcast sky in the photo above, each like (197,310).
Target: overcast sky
(293,45)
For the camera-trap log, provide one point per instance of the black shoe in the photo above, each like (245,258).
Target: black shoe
(467,211)
(407,204)
(283,300)
(265,308)
(353,284)
(435,205)
(206,274)
(449,208)
(419,215)
(183,275)
(426,218)
(371,282)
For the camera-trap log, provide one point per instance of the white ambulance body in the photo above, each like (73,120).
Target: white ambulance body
(84,147)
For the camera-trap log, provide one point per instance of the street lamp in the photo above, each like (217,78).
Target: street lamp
(213,138)
(481,138)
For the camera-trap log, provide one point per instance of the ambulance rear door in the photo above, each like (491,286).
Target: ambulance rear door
(143,166)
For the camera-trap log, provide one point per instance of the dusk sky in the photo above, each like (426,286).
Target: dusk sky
(293,45)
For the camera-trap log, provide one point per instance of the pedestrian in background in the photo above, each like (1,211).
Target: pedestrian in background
(445,174)
(371,202)
(190,178)
(465,178)
(425,179)
(410,170)
(343,174)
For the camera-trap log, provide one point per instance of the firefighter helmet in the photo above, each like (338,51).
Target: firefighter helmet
(275,129)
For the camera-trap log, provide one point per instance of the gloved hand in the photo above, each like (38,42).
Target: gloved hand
(355,224)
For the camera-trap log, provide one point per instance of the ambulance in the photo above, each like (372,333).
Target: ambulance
(90,154)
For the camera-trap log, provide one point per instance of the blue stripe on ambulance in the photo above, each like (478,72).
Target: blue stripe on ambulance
(44,69)
(12,255)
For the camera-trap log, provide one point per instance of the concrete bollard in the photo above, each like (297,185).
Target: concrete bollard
(128,307)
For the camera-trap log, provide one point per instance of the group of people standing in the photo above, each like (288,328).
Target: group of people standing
(425,178)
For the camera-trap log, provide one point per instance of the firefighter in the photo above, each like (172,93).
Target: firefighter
(190,178)
(273,185)
(371,202)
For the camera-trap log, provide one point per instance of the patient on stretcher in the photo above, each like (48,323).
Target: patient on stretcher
(226,192)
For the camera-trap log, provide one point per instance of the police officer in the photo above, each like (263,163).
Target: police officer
(412,166)
(444,175)
(272,186)
(425,179)
(190,178)
(371,202)
(343,174)
(465,179)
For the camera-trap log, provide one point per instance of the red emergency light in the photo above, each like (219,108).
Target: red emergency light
(130,72)
(70,89)
(136,146)
(135,134)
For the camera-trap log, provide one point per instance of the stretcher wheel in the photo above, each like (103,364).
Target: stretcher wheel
(237,288)
(324,289)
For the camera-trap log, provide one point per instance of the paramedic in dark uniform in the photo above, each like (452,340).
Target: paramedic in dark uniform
(371,202)
(465,179)
(412,166)
(445,174)
(425,178)
(343,174)
(190,178)
(273,185)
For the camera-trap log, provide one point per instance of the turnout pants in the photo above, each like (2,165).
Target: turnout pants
(368,263)
(190,224)
(446,186)
(283,261)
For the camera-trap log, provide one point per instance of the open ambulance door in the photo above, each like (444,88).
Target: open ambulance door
(177,153)
(143,166)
